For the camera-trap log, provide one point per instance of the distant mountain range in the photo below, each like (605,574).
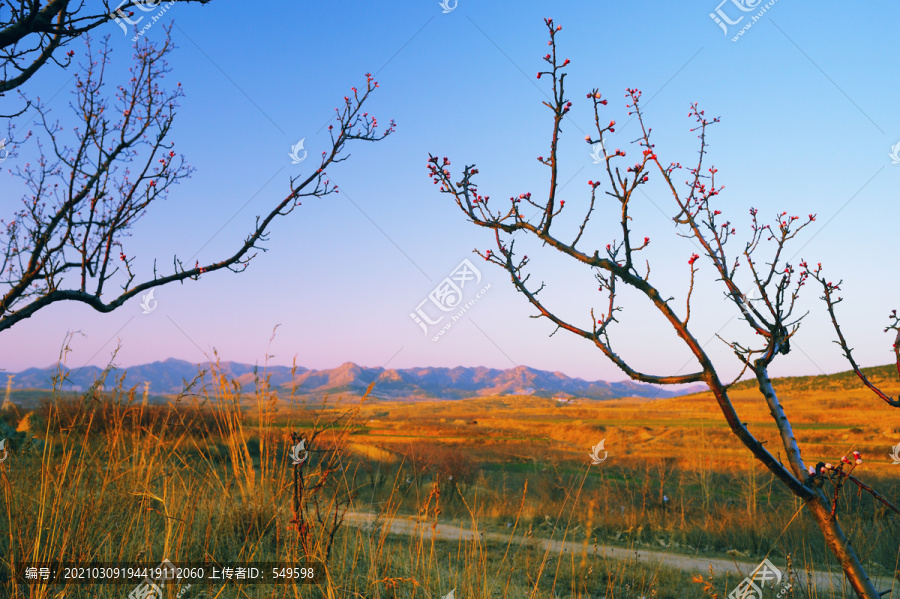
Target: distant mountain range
(170,377)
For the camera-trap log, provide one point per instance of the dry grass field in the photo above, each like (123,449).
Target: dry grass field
(492,497)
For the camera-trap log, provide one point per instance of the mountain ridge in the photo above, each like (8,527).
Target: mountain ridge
(424,382)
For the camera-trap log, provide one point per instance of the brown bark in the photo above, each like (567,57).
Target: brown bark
(841,548)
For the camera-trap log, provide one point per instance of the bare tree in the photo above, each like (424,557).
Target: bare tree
(83,197)
(770,316)
(31,31)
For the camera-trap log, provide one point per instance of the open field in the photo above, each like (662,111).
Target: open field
(493,497)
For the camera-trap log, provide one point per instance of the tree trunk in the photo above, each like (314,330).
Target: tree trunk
(841,548)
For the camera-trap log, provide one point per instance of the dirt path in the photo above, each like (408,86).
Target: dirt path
(409,526)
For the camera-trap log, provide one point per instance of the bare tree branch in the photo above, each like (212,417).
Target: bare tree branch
(84,197)
(32,31)
(828,289)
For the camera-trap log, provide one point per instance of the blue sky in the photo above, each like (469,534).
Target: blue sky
(808,101)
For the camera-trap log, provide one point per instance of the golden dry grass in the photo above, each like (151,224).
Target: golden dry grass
(118,481)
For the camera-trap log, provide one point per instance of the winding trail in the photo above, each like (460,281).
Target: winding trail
(411,526)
